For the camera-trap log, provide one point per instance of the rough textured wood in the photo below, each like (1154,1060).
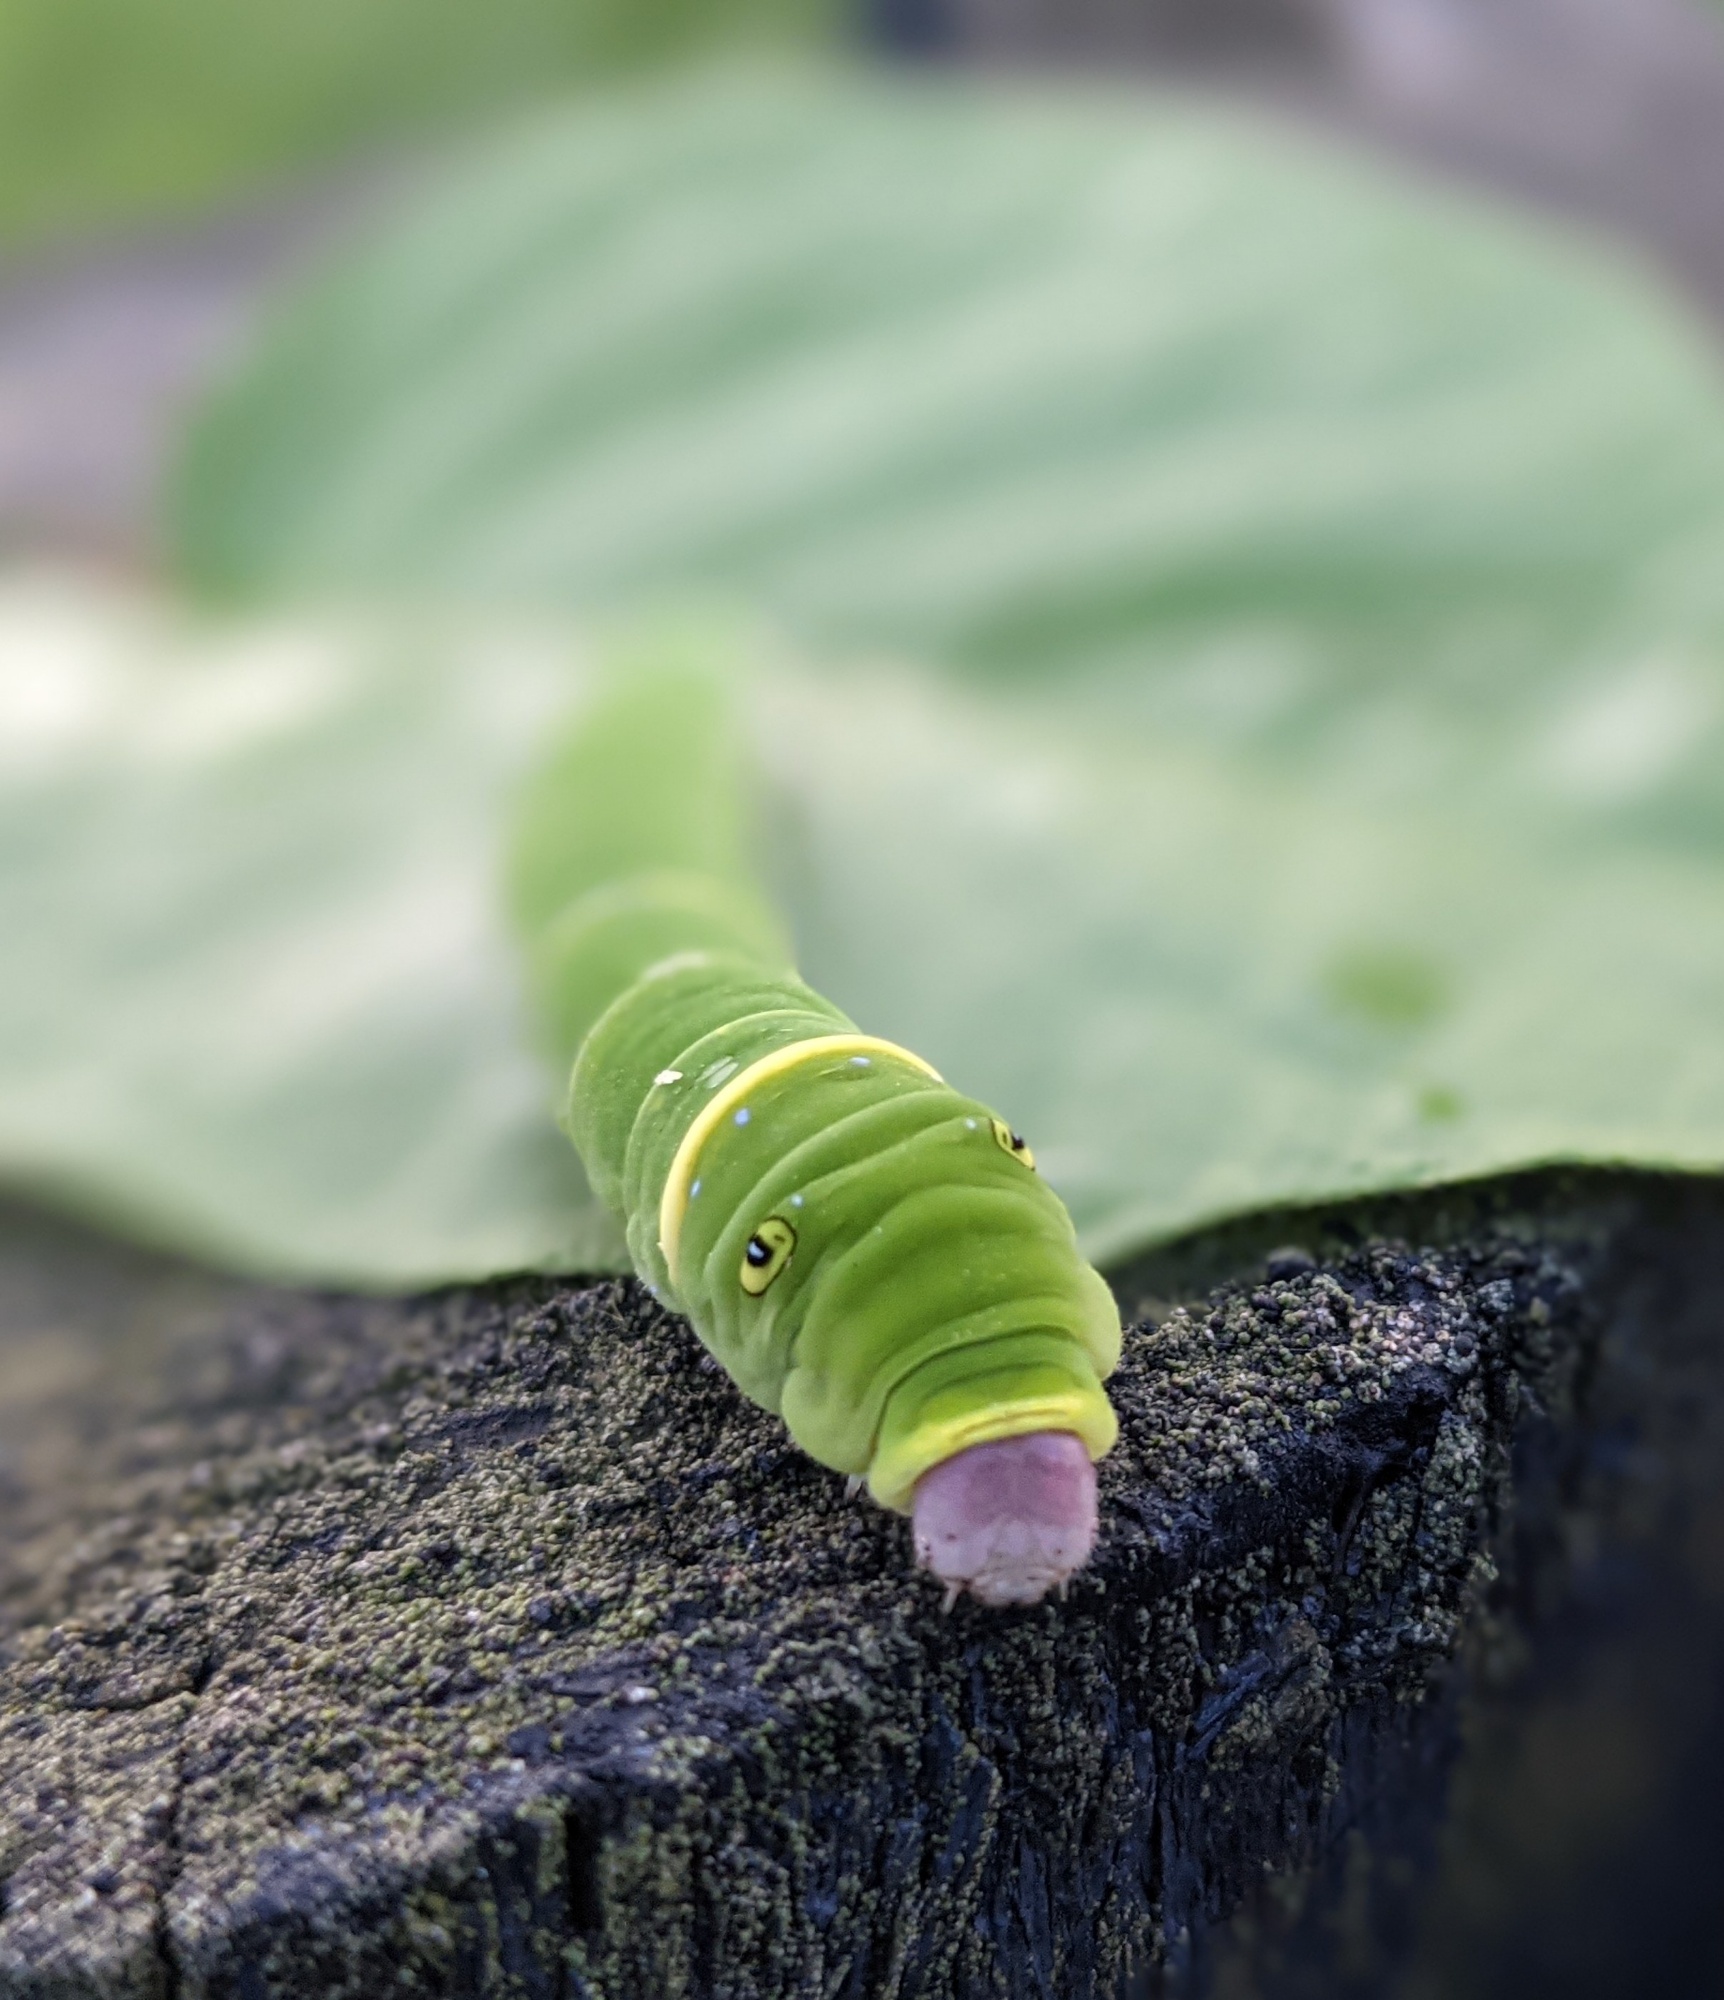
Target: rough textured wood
(1580,1843)
(489,1643)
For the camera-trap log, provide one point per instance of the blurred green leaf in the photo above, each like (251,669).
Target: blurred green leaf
(1243,440)
(1320,792)
(260,1005)
(1203,988)
(112,109)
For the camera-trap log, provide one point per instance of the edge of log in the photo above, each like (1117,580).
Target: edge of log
(490,1643)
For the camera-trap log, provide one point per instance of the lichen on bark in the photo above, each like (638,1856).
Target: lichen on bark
(490,1643)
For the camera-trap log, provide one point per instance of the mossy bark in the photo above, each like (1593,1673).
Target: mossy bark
(489,1643)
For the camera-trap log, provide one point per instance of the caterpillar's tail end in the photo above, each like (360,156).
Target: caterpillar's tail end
(1007,1521)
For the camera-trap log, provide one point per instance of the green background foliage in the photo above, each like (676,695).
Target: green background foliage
(263,1006)
(260,1003)
(1229,437)
(1246,695)
(111,110)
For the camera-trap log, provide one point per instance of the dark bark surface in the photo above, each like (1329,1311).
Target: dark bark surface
(490,1643)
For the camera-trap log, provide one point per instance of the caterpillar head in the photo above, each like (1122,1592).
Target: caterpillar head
(1007,1521)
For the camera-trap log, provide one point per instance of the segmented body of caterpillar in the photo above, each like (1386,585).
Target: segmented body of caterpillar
(869,1253)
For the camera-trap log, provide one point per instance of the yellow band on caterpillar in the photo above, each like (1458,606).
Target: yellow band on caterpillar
(896,1467)
(673,1203)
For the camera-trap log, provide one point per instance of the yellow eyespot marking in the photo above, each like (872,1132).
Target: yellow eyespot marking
(769,1250)
(1009,1142)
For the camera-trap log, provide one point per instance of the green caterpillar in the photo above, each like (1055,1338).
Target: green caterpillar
(869,1253)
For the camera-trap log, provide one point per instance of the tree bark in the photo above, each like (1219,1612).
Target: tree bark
(489,1643)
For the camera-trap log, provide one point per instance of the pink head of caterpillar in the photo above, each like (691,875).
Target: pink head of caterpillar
(1007,1521)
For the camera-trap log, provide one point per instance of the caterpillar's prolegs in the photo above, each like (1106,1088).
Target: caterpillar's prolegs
(1007,1521)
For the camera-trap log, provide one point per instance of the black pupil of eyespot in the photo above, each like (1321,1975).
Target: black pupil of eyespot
(1017,1143)
(757,1252)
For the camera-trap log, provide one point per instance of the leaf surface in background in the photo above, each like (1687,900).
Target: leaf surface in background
(258,1004)
(1237,439)
(1319,789)
(261,1007)
(1204,990)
